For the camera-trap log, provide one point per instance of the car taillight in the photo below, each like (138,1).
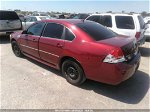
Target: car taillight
(115,56)
(137,35)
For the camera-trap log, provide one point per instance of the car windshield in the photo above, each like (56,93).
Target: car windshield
(96,31)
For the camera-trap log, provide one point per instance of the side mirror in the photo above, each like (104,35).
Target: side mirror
(24,32)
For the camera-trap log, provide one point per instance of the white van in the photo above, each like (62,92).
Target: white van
(124,24)
(9,22)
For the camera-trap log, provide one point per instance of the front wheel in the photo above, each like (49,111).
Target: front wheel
(16,49)
(73,72)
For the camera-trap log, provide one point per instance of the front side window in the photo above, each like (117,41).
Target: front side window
(69,35)
(124,22)
(106,21)
(53,30)
(36,29)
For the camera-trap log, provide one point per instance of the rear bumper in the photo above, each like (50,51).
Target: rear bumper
(114,73)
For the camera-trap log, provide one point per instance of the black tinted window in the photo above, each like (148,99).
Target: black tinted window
(106,21)
(94,18)
(141,21)
(36,29)
(124,22)
(69,35)
(8,15)
(96,31)
(53,30)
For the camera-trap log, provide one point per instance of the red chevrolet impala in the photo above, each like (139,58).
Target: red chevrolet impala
(80,49)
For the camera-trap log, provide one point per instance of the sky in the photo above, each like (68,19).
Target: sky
(77,6)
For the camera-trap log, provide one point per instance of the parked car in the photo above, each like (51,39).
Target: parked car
(80,49)
(80,16)
(125,24)
(28,20)
(40,14)
(9,22)
(62,16)
(147,32)
(71,16)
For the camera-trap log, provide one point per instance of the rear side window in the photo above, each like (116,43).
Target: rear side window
(124,22)
(36,29)
(53,30)
(69,35)
(94,18)
(96,31)
(8,15)
(106,21)
(141,21)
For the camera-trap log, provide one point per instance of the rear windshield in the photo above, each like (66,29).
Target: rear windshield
(8,15)
(124,22)
(96,31)
(141,21)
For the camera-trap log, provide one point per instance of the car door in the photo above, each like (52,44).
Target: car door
(29,40)
(51,43)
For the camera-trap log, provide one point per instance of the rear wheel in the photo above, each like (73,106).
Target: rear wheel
(73,72)
(16,49)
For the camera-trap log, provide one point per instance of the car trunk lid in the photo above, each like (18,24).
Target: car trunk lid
(127,44)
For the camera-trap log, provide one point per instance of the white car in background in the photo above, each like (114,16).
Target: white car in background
(124,24)
(147,32)
(28,20)
(9,22)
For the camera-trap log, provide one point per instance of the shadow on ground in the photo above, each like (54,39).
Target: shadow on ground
(130,91)
(145,52)
(57,72)
(4,39)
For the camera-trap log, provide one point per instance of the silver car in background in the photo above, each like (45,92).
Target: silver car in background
(28,20)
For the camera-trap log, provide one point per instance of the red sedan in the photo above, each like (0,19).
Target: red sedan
(80,49)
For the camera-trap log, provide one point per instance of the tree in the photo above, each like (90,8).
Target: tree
(109,12)
(144,14)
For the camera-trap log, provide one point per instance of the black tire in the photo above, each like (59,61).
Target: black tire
(16,49)
(73,72)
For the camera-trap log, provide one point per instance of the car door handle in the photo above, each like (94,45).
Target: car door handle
(59,45)
(34,40)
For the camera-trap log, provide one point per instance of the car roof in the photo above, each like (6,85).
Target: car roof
(121,14)
(71,21)
(6,11)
